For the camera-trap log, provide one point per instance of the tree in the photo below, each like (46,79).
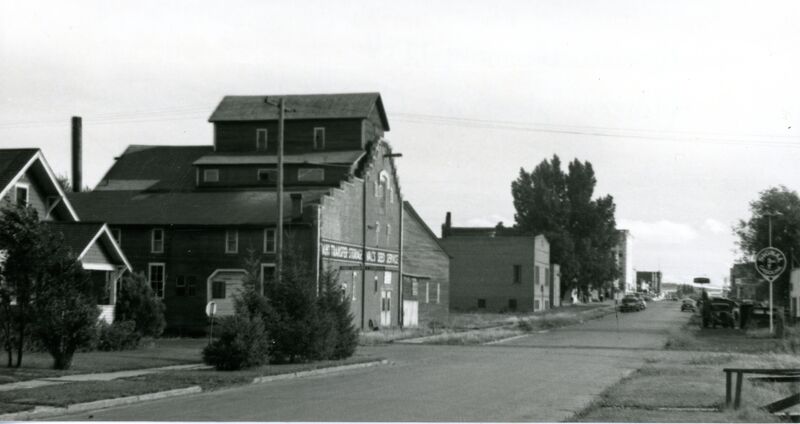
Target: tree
(65,311)
(335,304)
(136,302)
(581,230)
(783,205)
(28,247)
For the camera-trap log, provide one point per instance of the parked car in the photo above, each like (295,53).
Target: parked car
(631,303)
(688,305)
(641,299)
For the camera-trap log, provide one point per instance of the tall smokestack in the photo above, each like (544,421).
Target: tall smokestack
(77,130)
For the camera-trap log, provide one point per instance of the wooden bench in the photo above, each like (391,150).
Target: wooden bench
(775,375)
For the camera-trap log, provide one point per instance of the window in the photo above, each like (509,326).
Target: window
(267,175)
(157,240)
(517,274)
(536,275)
(269,240)
(180,286)
(547,275)
(310,174)
(319,138)
(377,190)
(414,287)
(21,193)
(191,285)
(481,303)
(156,277)
(387,278)
(375,289)
(218,290)
(232,241)
(267,273)
(117,234)
(438,293)
(512,304)
(211,175)
(427,292)
(261,139)
(377,232)
(388,231)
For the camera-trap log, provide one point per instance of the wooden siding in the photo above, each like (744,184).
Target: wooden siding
(97,255)
(422,256)
(247,176)
(340,134)
(195,253)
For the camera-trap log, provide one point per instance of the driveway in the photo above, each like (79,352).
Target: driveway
(541,377)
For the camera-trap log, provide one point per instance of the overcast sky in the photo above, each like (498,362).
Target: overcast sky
(686,109)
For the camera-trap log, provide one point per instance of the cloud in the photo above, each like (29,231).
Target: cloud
(490,221)
(716,227)
(662,231)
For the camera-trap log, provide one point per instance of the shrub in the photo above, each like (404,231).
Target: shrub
(65,315)
(242,343)
(121,335)
(335,307)
(136,302)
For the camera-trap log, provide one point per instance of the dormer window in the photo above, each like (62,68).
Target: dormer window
(261,139)
(310,174)
(211,175)
(319,138)
(21,193)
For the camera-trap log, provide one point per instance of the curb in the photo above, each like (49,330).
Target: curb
(320,371)
(49,411)
(507,339)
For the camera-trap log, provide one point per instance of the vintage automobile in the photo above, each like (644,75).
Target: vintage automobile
(688,305)
(724,313)
(631,303)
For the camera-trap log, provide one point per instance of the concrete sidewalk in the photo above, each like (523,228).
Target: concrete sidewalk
(103,376)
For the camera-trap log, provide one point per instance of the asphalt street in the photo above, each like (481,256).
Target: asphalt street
(541,377)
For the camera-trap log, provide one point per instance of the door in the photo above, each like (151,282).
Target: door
(410,313)
(386,308)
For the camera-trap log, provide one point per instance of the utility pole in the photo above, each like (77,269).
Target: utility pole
(279,230)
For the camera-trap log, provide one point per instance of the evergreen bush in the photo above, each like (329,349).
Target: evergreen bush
(136,302)
(242,343)
(121,335)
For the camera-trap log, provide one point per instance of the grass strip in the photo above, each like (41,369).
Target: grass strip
(88,391)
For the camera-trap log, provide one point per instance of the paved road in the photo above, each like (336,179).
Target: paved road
(541,377)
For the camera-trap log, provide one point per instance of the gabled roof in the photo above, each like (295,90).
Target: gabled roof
(407,208)
(14,163)
(305,106)
(199,208)
(81,236)
(155,168)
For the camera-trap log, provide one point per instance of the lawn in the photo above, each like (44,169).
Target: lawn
(689,386)
(152,354)
(692,337)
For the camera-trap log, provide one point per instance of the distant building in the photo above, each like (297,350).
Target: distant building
(426,273)
(498,270)
(623,253)
(648,281)
(744,281)
(794,294)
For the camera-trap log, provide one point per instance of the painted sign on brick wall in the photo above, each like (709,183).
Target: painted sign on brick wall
(334,250)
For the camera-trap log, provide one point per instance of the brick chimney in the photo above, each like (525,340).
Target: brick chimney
(446,226)
(77,176)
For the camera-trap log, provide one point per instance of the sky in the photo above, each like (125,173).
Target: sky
(686,109)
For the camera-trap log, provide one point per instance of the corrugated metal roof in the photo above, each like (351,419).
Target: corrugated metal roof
(348,157)
(185,208)
(305,106)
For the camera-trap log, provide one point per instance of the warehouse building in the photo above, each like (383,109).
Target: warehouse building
(190,216)
(499,270)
